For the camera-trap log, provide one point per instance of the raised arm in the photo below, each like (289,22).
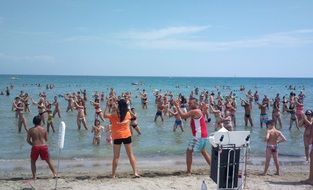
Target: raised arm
(106,113)
(214,110)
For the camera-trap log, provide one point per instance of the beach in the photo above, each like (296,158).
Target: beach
(157,174)
(160,152)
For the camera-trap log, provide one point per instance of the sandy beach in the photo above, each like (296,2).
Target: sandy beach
(156,174)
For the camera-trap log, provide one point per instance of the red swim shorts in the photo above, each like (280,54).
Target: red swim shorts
(41,150)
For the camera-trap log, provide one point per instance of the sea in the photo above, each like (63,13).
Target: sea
(157,139)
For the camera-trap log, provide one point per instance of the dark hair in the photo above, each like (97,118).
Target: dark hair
(183,100)
(96,120)
(122,109)
(308,112)
(37,120)
(270,122)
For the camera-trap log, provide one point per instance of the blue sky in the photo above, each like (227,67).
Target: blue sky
(157,38)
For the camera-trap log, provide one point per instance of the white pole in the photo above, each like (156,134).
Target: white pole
(60,147)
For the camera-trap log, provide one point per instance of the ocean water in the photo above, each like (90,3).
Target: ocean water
(157,139)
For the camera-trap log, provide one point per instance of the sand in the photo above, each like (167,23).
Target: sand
(156,174)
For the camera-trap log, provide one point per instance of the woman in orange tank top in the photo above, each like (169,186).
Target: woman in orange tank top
(120,119)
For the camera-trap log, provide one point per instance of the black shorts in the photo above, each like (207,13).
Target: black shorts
(127,140)
(158,113)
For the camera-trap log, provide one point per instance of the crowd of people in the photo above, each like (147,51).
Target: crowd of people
(200,107)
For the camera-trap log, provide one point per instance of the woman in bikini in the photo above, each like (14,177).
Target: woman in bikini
(300,109)
(276,113)
(50,119)
(98,110)
(25,100)
(19,107)
(218,117)
(56,107)
(96,130)
(307,123)
(81,118)
(230,107)
(285,104)
(293,116)
(133,121)
(310,179)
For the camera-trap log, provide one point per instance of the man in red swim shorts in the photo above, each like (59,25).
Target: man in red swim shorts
(37,138)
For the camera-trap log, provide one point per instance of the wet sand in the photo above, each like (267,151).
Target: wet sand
(166,173)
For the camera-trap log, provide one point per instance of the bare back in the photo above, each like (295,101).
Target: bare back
(37,136)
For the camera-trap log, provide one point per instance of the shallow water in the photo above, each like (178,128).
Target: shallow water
(157,138)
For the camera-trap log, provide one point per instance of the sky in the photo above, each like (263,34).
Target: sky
(241,38)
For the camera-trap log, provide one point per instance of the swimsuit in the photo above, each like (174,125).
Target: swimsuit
(200,134)
(133,122)
(50,118)
(272,147)
(159,113)
(41,150)
(197,144)
(247,115)
(178,122)
(263,118)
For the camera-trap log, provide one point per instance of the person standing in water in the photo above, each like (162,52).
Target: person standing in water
(56,107)
(19,107)
(247,107)
(178,120)
(263,115)
(81,118)
(144,99)
(133,121)
(160,108)
(97,129)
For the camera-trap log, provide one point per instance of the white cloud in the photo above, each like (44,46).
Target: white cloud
(28,59)
(178,38)
(163,33)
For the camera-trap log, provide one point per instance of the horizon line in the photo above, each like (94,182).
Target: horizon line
(174,76)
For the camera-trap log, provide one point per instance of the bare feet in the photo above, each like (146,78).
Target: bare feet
(263,174)
(277,173)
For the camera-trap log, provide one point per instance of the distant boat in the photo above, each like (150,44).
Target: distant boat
(14,78)
(135,83)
